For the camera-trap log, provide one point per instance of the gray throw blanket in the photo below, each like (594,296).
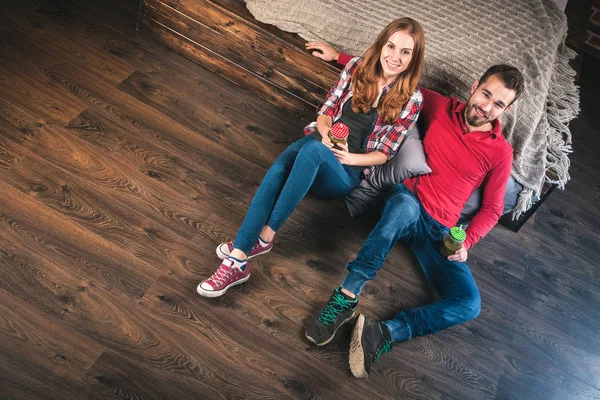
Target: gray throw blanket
(463,39)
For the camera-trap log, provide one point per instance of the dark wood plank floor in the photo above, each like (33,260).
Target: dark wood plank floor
(123,165)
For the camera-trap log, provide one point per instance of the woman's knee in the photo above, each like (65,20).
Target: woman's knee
(280,168)
(313,149)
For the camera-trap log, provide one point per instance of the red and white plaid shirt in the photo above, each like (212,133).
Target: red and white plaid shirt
(383,137)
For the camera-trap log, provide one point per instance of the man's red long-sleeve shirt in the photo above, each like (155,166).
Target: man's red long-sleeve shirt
(460,161)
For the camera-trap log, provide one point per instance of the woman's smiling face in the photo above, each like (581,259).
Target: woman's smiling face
(396,54)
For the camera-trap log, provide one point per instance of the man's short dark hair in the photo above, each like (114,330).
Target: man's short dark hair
(509,75)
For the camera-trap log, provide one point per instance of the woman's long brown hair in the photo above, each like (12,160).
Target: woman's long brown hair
(365,83)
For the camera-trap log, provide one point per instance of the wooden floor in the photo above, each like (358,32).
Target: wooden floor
(123,165)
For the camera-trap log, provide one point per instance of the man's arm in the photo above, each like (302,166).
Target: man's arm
(494,190)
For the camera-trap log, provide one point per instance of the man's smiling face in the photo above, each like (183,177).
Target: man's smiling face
(487,102)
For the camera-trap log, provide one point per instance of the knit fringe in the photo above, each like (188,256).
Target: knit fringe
(523,203)
(562,106)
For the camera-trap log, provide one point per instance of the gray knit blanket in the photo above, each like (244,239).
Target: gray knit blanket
(463,39)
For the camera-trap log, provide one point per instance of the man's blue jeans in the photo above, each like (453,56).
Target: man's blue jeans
(305,164)
(404,219)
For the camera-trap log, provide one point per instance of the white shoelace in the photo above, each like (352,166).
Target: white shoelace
(221,275)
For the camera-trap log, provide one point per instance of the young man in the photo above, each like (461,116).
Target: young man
(465,149)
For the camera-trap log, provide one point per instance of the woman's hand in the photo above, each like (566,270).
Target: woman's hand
(324,127)
(343,155)
(325,139)
(323,51)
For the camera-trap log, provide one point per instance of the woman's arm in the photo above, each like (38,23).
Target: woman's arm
(323,51)
(359,160)
(327,52)
(324,126)
(331,103)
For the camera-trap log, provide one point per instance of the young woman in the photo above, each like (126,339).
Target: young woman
(377,97)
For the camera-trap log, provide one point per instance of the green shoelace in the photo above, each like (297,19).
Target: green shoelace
(335,306)
(386,348)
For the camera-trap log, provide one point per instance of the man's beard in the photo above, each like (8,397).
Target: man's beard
(473,118)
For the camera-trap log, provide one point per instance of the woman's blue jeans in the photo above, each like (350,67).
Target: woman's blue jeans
(305,164)
(404,219)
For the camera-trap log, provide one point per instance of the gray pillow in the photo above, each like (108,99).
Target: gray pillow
(409,161)
(364,197)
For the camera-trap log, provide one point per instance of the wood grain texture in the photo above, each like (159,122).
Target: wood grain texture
(124,164)
(86,205)
(39,98)
(25,222)
(126,184)
(42,364)
(27,19)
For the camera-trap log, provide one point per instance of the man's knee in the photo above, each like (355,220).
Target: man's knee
(401,208)
(469,305)
(399,218)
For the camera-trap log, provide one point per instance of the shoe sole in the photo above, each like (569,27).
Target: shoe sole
(217,293)
(357,353)
(223,256)
(334,332)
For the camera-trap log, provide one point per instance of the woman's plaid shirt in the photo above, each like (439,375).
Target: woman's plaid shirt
(384,138)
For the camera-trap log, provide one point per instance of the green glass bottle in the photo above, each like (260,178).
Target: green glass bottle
(452,241)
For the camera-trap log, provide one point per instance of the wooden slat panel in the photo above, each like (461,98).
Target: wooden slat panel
(192,25)
(239,9)
(293,59)
(178,74)
(240,131)
(229,70)
(224,104)
(534,338)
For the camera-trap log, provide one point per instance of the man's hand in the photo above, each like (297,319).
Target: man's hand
(323,51)
(342,154)
(459,255)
